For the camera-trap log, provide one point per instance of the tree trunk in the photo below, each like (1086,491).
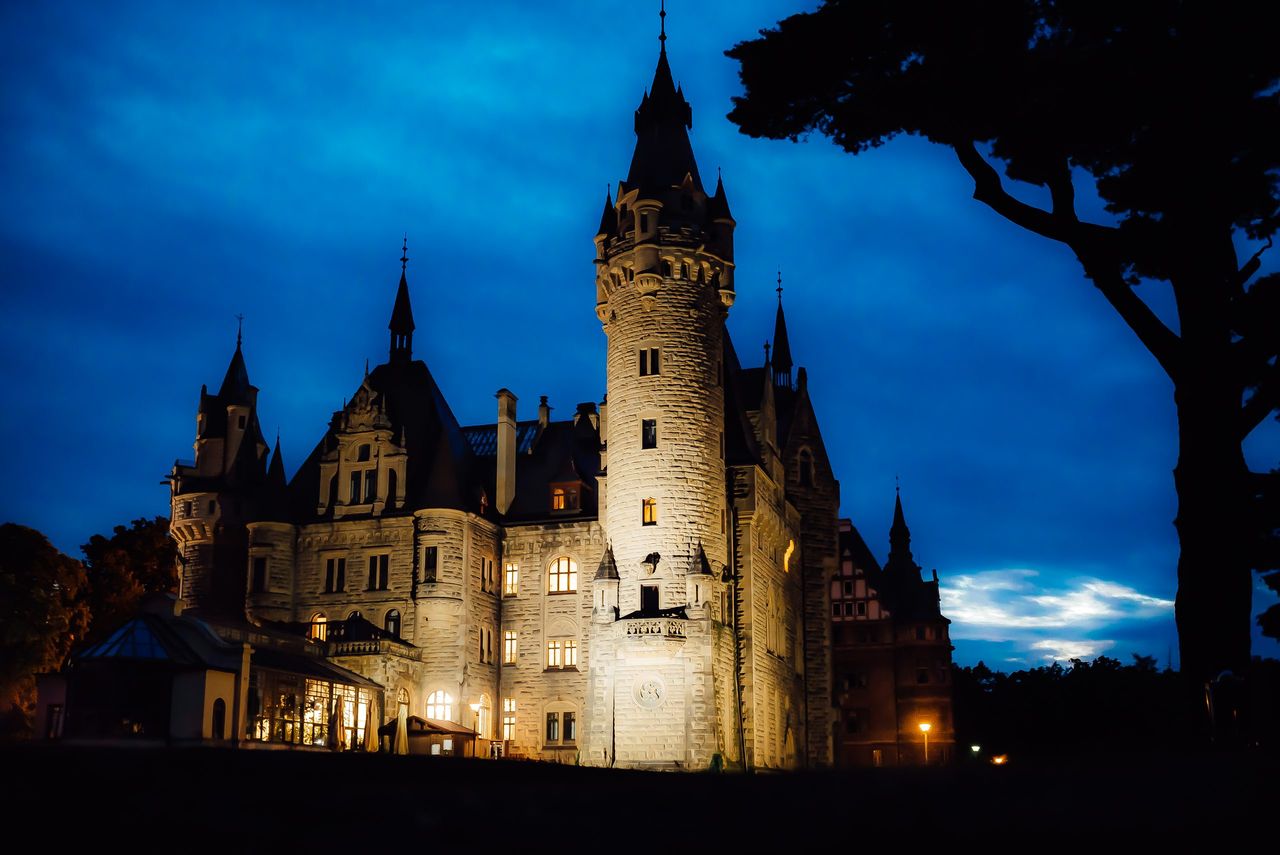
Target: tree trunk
(1214,602)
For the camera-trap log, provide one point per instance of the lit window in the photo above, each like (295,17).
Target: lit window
(649,511)
(509,646)
(379,566)
(508,718)
(318,626)
(440,706)
(510,579)
(482,718)
(649,361)
(430,563)
(562,576)
(564,497)
(648,433)
(571,654)
(555,654)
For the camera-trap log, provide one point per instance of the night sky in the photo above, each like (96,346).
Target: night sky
(166,168)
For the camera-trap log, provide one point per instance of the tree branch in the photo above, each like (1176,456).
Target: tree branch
(1263,402)
(1093,244)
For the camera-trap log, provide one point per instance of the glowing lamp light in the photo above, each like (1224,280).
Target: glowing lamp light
(999,759)
(925,727)
(975,748)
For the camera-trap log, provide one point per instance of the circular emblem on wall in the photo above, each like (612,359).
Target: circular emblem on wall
(650,692)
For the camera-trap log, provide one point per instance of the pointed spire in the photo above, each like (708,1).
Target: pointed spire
(275,471)
(609,217)
(236,388)
(899,534)
(781,344)
(663,155)
(401,325)
(701,565)
(608,566)
(718,207)
(662,25)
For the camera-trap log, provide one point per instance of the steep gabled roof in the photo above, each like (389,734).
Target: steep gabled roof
(663,155)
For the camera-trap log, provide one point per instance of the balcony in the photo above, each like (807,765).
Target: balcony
(658,628)
(373,647)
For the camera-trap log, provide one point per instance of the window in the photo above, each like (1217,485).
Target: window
(186,509)
(648,433)
(258,584)
(355,488)
(440,706)
(644,222)
(355,615)
(486,644)
(555,654)
(392,623)
(335,575)
(570,726)
(564,497)
(684,265)
(362,455)
(860,608)
(213,506)
(318,627)
(510,579)
(508,718)
(378,572)
(648,361)
(562,576)
(510,642)
(806,469)
(553,727)
(482,718)
(648,598)
(562,727)
(370,485)
(649,511)
(219,719)
(571,654)
(430,563)
(488,582)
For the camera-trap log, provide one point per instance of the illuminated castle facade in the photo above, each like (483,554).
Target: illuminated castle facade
(646,584)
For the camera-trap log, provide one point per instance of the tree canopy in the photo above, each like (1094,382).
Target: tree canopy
(1169,108)
(137,560)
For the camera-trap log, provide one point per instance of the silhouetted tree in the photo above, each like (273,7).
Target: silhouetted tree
(42,614)
(134,561)
(1170,107)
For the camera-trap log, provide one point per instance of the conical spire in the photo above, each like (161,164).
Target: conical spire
(236,388)
(781,345)
(718,207)
(608,568)
(899,536)
(275,470)
(609,218)
(663,155)
(401,325)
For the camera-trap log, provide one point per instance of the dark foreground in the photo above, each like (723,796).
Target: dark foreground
(258,801)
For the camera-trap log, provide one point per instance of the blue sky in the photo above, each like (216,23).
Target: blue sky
(168,167)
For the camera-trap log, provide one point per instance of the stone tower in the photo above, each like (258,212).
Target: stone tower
(664,284)
(211,498)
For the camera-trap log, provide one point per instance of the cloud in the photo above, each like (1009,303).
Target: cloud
(1021,607)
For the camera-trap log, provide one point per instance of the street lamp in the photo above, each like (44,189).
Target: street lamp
(925,727)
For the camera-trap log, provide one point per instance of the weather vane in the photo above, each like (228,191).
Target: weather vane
(239,328)
(404,253)
(662,24)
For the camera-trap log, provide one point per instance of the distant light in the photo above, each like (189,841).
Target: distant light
(1000,759)
(975,748)
(925,727)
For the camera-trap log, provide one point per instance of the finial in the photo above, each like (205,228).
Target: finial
(404,253)
(897,485)
(766,353)
(277,434)
(239,330)
(662,25)
(779,285)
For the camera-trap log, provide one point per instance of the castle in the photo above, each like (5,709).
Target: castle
(647,584)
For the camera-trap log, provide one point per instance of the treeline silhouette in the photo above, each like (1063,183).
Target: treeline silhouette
(1100,706)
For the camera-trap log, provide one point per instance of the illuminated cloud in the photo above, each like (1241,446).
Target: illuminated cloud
(1029,613)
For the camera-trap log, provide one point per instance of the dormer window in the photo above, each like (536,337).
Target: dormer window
(363,454)
(566,497)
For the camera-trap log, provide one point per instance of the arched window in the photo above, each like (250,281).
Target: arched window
(318,629)
(440,706)
(806,469)
(562,576)
(392,623)
(355,615)
(219,719)
(483,717)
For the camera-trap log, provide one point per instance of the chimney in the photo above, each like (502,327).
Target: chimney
(544,412)
(506,480)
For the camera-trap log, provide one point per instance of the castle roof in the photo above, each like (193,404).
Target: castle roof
(663,155)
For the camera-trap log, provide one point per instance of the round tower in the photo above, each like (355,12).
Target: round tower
(664,284)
